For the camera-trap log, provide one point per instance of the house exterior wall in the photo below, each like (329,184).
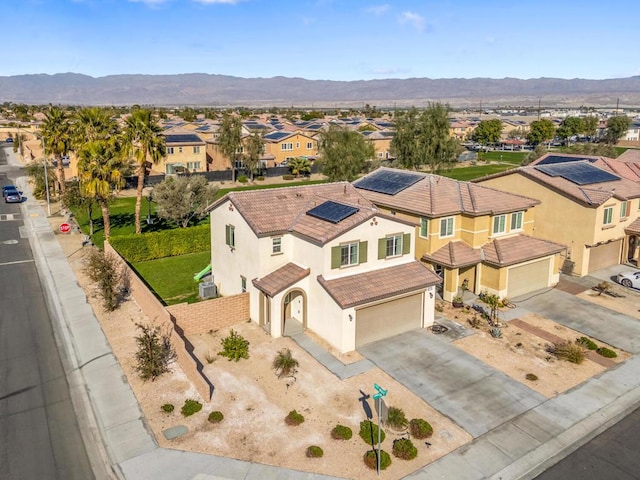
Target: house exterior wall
(191,157)
(299,147)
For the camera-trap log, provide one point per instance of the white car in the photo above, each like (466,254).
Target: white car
(629,279)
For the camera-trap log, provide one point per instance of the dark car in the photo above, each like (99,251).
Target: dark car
(7,187)
(9,140)
(11,195)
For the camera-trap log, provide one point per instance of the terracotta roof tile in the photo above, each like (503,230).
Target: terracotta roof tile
(518,249)
(454,255)
(633,228)
(276,281)
(359,289)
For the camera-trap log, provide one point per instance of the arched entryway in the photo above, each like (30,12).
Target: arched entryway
(632,251)
(294,312)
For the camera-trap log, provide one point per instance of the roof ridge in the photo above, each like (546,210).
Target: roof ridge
(498,250)
(452,254)
(472,196)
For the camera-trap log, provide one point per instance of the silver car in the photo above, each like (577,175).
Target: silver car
(12,195)
(629,279)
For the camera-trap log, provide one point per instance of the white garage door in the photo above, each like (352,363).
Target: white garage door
(387,319)
(604,256)
(527,278)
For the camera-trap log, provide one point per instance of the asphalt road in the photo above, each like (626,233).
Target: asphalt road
(39,432)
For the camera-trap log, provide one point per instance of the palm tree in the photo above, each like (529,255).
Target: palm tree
(93,123)
(100,165)
(143,141)
(299,165)
(230,139)
(56,134)
(284,363)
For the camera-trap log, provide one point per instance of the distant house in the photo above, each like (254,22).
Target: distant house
(185,153)
(284,145)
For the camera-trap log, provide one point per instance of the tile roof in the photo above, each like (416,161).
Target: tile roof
(359,289)
(518,249)
(436,196)
(633,228)
(630,155)
(454,255)
(276,281)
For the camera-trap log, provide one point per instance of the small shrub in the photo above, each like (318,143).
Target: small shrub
(154,353)
(167,408)
(496,333)
(104,270)
(532,377)
(606,352)
(587,343)
(371,460)
(340,432)
(439,307)
(287,177)
(369,432)
(603,287)
(314,451)
(419,428)
(243,179)
(190,407)
(216,417)
(234,346)
(294,418)
(475,321)
(260,178)
(396,418)
(284,363)
(404,448)
(569,351)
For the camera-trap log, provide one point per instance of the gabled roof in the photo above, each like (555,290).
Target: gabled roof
(633,228)
(630,155)
(520,248)
(354,290)
(455,255)
(435,196)
(276,281)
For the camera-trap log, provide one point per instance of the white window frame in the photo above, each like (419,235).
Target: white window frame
(607,218)
(424,227)
(232,236)
(179,149)
(394,246)
(169,150)
(243,283)
(517,220)
(286,147)
(499,224)
(196,149)
(276,245)
(624,209)
(309,145)
(350,254)
(447,226)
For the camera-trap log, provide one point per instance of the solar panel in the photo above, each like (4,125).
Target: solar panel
(185,138)
(388,182)
(553,159)
(332,211)
(276,135)
(578,173)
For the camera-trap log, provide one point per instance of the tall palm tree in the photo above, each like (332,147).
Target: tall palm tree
(100,165)
(143,141)
(56,133)
(93,123)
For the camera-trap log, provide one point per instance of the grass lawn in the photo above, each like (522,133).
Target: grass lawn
(477,171)
(172,277)
(515,158)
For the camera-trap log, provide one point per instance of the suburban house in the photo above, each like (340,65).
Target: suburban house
(381,141)
(185,153)
(321,257)
(584,204)
(284,145)
(474,237)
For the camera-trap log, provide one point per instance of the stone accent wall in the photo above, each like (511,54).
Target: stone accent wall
(214,314)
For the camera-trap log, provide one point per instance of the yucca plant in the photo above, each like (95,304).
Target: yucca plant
(284,364)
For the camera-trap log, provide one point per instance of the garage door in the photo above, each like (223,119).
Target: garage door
(387,319)
(527,278)
(604,256)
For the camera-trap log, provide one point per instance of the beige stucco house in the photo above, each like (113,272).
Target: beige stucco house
(324,258)
(185,153)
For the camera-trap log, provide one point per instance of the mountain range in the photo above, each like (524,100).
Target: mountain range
(199,89)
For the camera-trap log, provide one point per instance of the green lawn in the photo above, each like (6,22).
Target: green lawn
(172,277)
(477,171)
(515,158)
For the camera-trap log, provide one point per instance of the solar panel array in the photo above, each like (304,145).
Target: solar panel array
(388,182)
(184,138)
(333,212)
(553,159)
(578,173)
(276,135)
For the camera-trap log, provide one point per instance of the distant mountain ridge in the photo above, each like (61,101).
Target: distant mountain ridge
(199,89)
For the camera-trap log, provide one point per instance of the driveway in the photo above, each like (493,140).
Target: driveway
(474,395)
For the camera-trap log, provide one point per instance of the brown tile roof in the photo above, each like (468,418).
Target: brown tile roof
(435,196)
(454,255)
(633,228)
(618,166)
(630,155)
(359,289)
(276,281)
(518,249)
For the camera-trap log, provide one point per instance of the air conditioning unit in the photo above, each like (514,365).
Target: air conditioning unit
(207,290)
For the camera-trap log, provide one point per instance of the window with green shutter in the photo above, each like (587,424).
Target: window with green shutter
(336,256)
(230,235)
(363,252)
(382,248)
(406,243)
(424,227)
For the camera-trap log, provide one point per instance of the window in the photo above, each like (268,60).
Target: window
(349,254)
(516,220)
(243,284)
(309,145)
(240,149)
(193,165)
(286,147)
(499,224)
(230,235)
(179,149)
(297,144)
(196,149)
(424,228)
(276,245)
(624,209)
(394,246)
(446,227)
(169,150)
(608,216)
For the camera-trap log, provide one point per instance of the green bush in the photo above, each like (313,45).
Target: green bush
(287,177)
(190,407)
(243,179)
(531,377)
(260,178)
(371,460)
(314,452)
(569,351)
(167,243)
(340,432)
(587,343)
(419,428)
(369,432)
(294,418)
(216,417)
(167,408)
(234,346)
(606,352)
(396,418)
(404,448)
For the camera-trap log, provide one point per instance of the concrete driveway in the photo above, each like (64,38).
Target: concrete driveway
(474,395)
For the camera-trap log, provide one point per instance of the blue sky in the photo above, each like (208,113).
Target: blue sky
(324,39)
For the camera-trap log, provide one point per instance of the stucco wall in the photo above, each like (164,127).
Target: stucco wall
(208,315)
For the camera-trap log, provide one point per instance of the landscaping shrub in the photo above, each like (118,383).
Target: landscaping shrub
(167,243)
(475,321)
(167,408)
(294,418)
(243,179)
(587,343)
(314,451)
(216,417)
(369,432)
(396,418)
(531,377)
(371,460)
(419,428)
(287,177)
(496,333)
(404,448)
(284,363)
(569,351)
(104,269)
(234,346)
(606,352)
(340,432)
(190,407)
(154,353)
(260,178)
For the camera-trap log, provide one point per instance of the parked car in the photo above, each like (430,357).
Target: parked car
(9,140)
(629,279)
(12,195)
(7,188)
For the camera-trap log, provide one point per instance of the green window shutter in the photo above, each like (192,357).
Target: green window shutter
(336,256)
(227,234)
(406,243)
(382,248)
(362,252)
